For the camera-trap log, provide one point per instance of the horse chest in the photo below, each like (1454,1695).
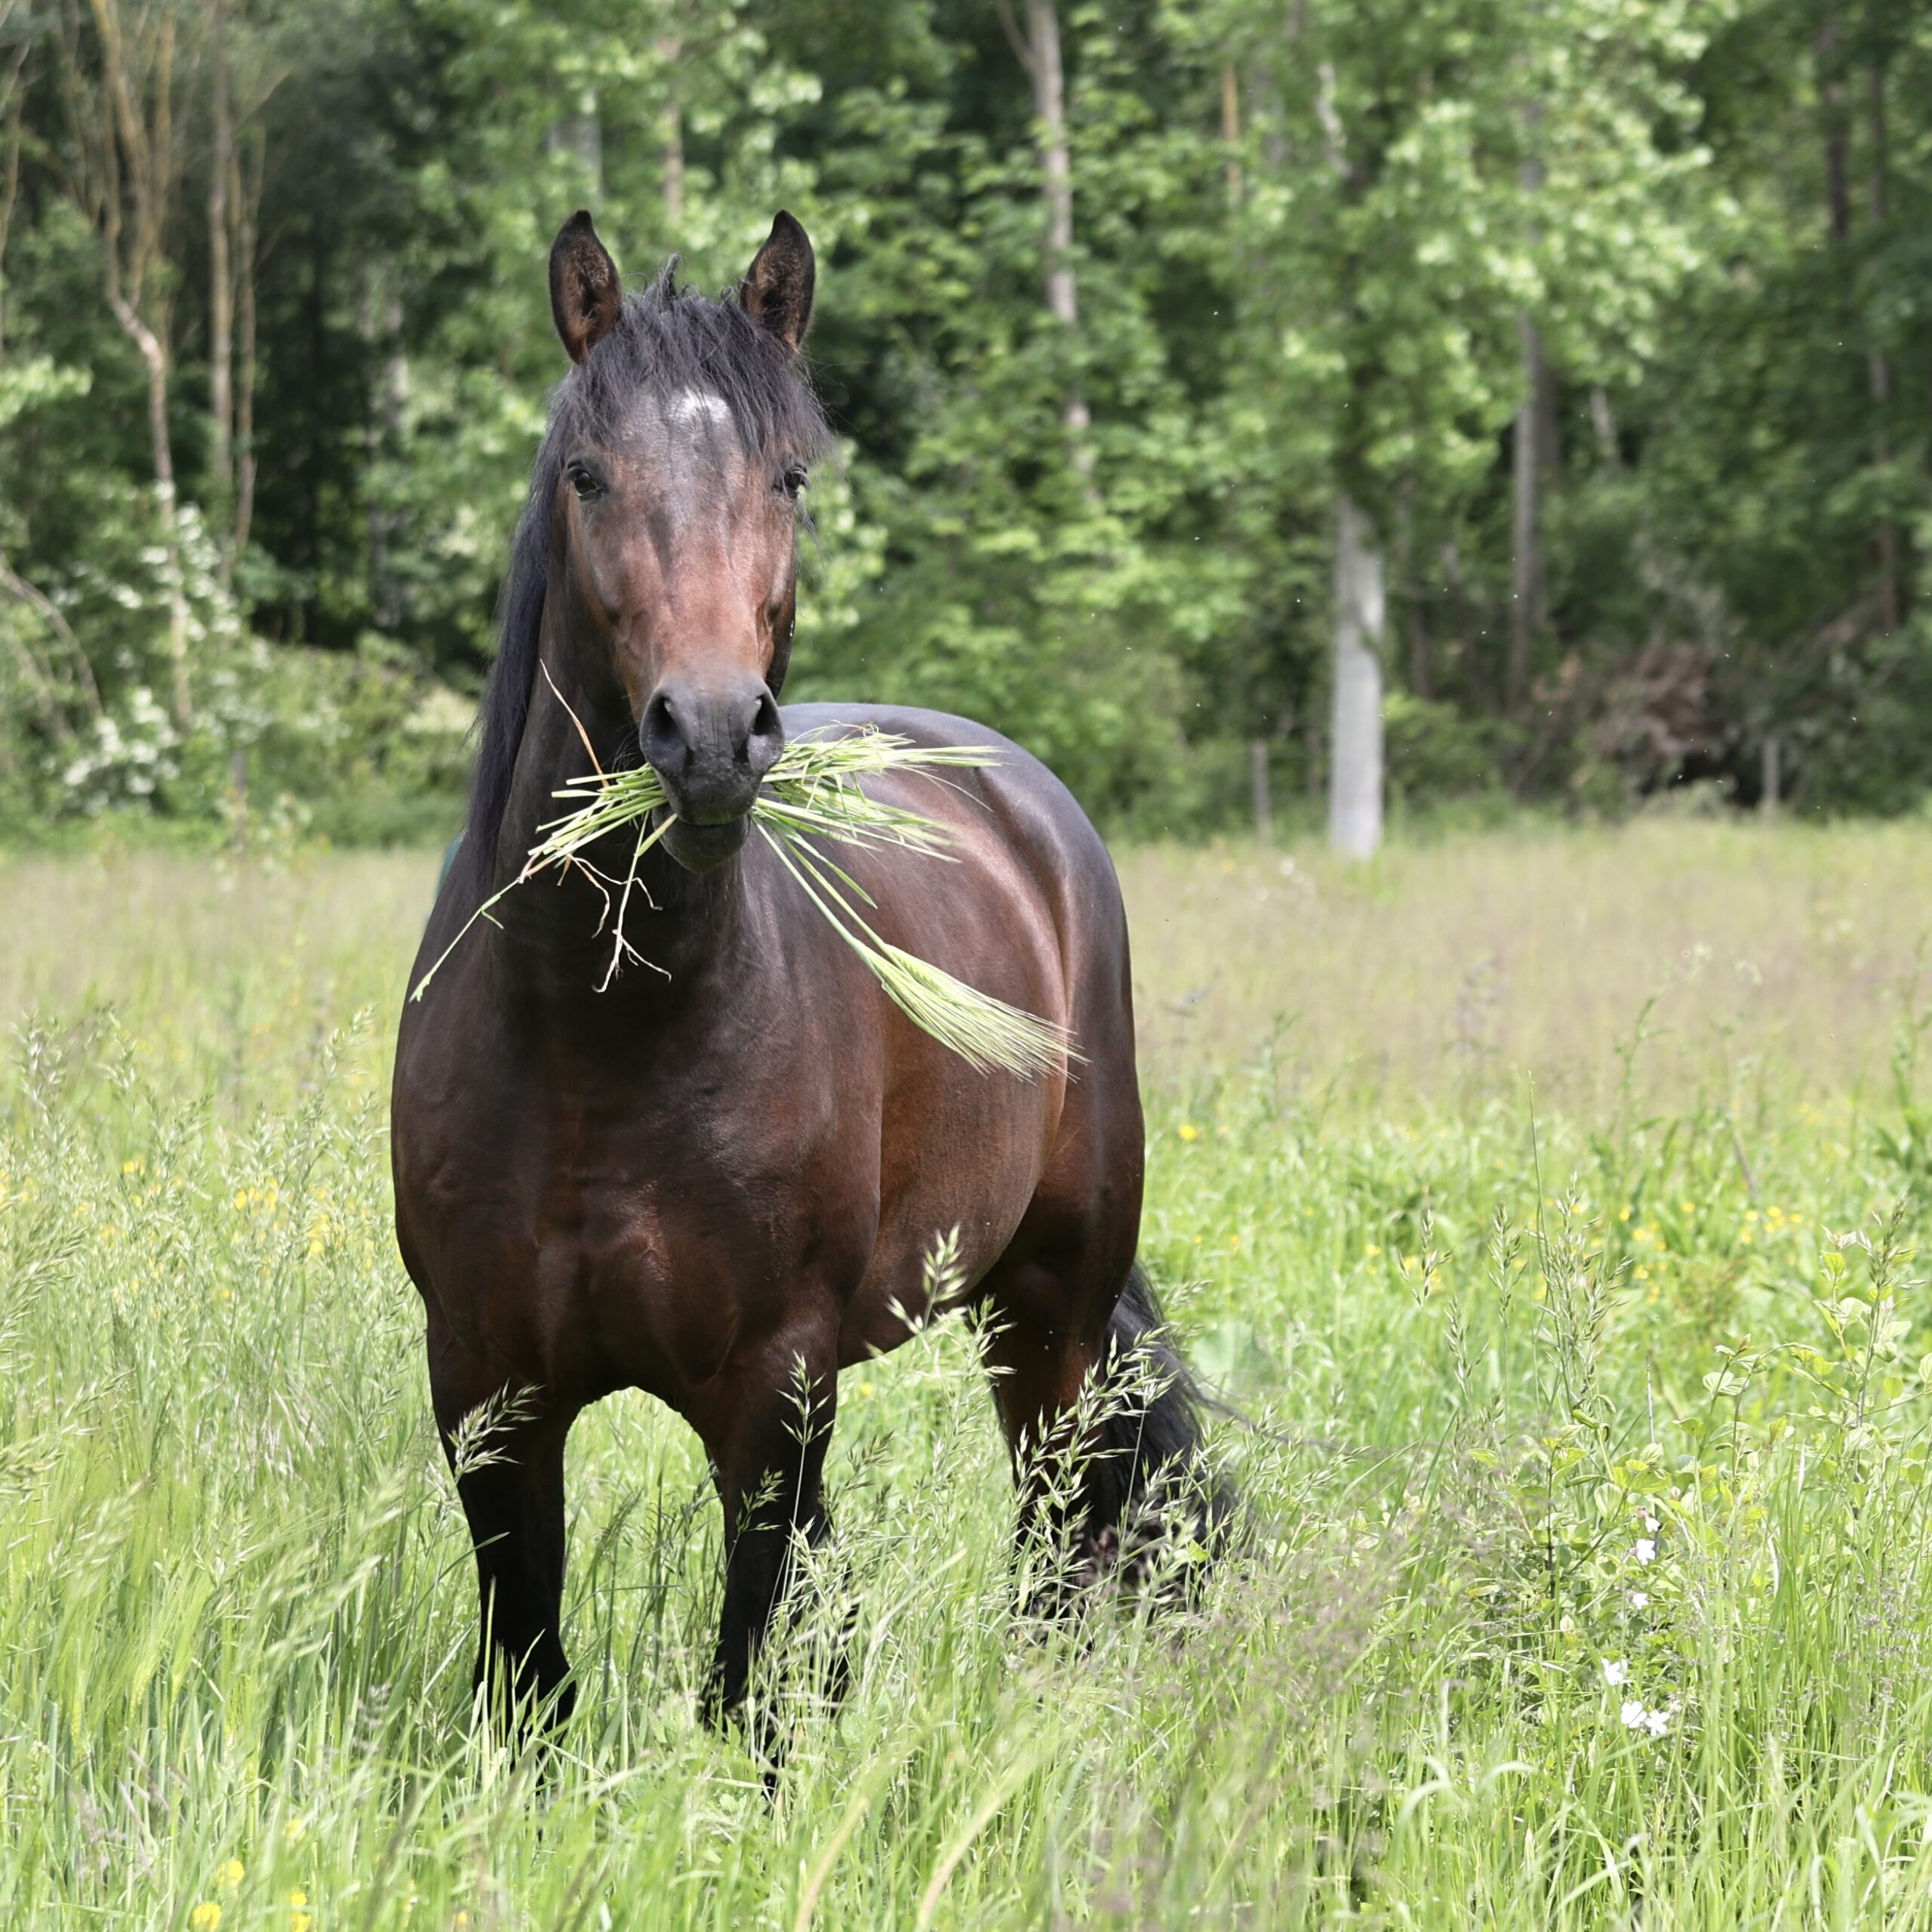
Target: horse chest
(618,1245)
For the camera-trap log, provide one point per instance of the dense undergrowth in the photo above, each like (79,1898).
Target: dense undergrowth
(1585,1584)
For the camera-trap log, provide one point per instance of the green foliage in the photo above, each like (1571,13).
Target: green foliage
(1712,211)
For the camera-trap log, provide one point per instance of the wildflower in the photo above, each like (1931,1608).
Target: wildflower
(1188,1131)
(1640,1599)
(294,1831)
(1656,1722)
(1615,1671)
(231,1874)
(1650,1523)
(205,1916)
(1646,1549)
(1633,1713)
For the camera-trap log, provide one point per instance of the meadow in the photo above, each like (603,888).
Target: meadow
(1544,1202)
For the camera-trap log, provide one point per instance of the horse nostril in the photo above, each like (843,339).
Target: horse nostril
(766,738)
(663,740)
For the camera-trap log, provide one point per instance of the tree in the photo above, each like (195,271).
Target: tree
(122,84)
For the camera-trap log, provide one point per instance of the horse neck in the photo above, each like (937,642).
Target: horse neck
(677,920)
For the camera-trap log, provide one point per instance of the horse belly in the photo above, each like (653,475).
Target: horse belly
(968,1165)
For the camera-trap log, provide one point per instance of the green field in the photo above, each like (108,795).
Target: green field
(1545,1200)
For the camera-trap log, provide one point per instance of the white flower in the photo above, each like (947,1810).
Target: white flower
(1646,1549)
(1656,1722)
(1615,1671)
(1640,1599)
(1634,1715)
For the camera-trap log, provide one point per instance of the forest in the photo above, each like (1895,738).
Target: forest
(1545,388)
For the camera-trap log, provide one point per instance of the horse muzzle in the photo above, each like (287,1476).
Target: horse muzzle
(711,746)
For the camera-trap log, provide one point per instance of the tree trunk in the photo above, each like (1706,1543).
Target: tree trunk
(381,319)
(12,99)
(580,135)
(1891,599)
(221,285)
(1603,420)
(143,131)
(245,191)
(1530,446)
(1526,607)
(671,138)
(1354,770)
(154,358)
(1230,131)
(1838,138)
(1041,52)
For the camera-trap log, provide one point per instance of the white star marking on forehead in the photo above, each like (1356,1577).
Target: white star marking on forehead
(693,405)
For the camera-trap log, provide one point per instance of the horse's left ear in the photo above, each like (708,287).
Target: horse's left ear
(587,297)
(777,289)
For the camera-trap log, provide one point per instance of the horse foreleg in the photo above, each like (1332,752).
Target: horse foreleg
(505,1448)
(766,1430)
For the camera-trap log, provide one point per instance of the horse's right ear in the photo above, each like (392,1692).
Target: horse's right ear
(585,296)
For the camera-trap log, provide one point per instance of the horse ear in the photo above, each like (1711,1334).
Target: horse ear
(777,289)
(585,296)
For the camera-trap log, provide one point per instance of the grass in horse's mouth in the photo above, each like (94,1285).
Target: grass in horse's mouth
(814,793)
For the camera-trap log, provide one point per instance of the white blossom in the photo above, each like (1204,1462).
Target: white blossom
(1615,1671)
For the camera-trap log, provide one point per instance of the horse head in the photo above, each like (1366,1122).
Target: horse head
(681,445)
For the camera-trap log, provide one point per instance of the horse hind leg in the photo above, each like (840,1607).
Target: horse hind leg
(1104,1430)
(506,1449)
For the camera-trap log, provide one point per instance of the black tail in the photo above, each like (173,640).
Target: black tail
(1151,1492)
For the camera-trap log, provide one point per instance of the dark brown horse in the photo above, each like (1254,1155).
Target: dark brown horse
(718,1180)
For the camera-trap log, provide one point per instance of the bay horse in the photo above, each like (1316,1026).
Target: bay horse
(719,1179)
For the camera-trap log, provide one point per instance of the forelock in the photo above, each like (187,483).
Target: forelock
(697,357)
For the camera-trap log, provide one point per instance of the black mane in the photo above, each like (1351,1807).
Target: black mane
(667,339)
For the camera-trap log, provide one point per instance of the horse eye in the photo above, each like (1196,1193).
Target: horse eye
(794,479)
(586,485)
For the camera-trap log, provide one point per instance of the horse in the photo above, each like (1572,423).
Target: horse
(719,1179)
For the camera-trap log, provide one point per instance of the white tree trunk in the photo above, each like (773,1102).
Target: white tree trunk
(1355,764)
(1044,69)
(671,140)
(581,136)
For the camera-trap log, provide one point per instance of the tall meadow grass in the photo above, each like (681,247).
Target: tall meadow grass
(1546,1203)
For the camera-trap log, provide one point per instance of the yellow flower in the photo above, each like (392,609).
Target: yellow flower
(294,1831)
(1188,1131)
(205,1916)
(231,1874)
(298,1897)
